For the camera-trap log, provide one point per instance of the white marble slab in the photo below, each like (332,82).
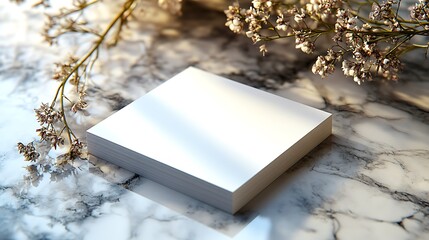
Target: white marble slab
(368,181)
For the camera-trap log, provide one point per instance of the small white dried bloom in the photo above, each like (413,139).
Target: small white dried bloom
(389,67)
(325,65)
(299,16)
(263,49)
(366,26)
(348,68)
(256,4)
(345,21)
(281,23)
(256,37)
(420,11)
(304,43)
(281,27)
(357,70)
(233,16)
(307,47)
(312,8)
(384,12)
(320,67)
(368,48)
(357,55)
(262,5)
(235,25)
(386,61)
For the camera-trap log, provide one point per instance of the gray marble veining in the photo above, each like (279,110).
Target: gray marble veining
(368,181)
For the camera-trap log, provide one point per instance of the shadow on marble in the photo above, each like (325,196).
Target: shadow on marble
(294,194)
(46,167)
(200,212)
(300,202)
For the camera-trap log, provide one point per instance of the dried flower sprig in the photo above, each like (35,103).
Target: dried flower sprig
(74,70)
(28,151)
(53,118)
(68,20)
(368,37)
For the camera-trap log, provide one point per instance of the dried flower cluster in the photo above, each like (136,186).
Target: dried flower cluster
(53,117)
(49,119)
(368,37)
(68,20)
(28,151)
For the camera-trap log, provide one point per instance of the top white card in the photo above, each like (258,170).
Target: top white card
(212,128)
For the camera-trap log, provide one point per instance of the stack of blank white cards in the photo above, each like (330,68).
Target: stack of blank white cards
(211,138)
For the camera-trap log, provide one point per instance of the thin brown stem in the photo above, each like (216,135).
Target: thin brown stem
(78,9)
(128,4)
(75,70)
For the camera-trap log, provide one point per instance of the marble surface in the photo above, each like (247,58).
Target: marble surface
(369,180)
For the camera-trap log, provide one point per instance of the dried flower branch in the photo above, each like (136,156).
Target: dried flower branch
(68,20)
(53,117)
(55,130)
(368,37)
(73,70)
